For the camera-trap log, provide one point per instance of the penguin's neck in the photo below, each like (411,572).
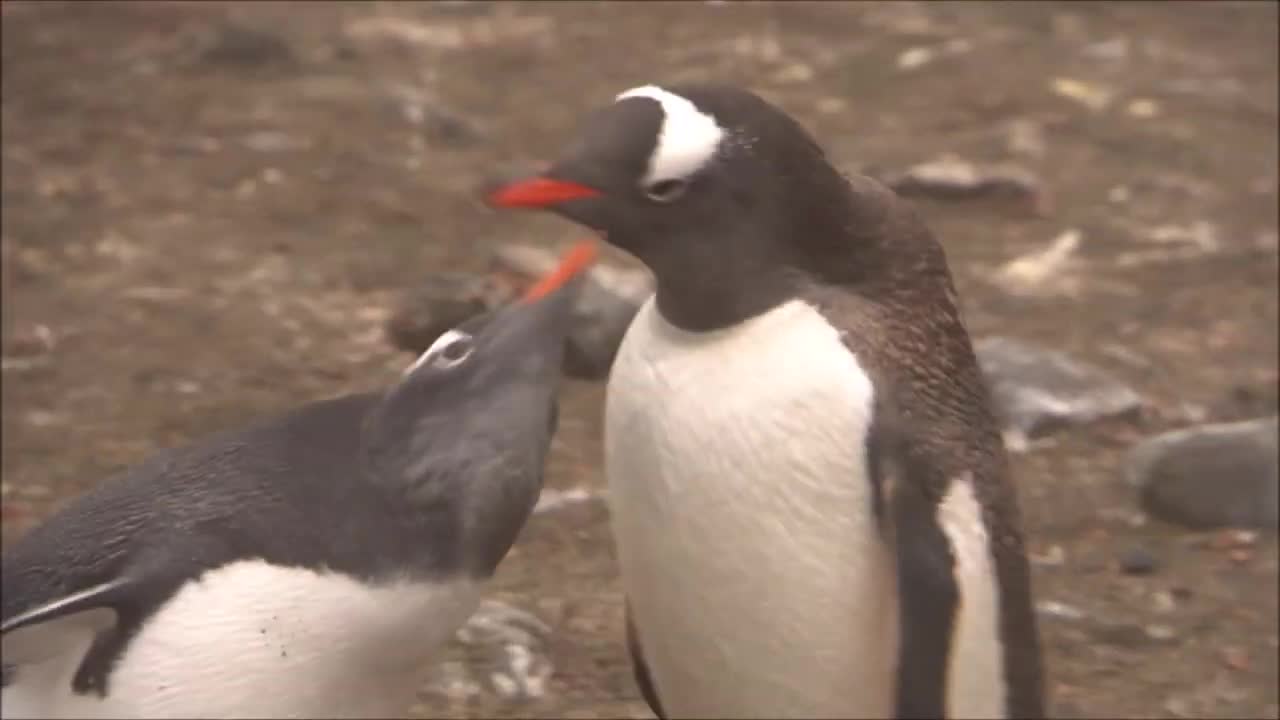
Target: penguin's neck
(729,296)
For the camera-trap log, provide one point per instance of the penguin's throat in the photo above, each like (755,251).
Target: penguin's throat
(721,298)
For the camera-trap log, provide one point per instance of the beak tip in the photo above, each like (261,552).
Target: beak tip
(490,191)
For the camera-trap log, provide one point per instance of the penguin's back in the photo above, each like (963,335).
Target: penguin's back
(292,491)
(255,558)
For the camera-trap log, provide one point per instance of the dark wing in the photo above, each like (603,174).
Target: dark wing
(894,303)
(641,668)
(928,593)
(95,624)
(99,597)
(84,623)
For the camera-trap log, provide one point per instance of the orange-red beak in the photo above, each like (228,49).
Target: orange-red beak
(539,192)
(576,260)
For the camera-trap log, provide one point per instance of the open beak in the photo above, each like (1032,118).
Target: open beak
(572,264)
(538,192)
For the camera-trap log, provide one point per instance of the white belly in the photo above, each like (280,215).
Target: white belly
(253,640)
(758,579)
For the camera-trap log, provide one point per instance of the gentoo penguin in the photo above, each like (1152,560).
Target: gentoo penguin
(810,497)
(307,566)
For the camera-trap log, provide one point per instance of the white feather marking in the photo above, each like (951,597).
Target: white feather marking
(442,342)
(63,602)
(688,139)
(758,579)
(257,640)
(975,678)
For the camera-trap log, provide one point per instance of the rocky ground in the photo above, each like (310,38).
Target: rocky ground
(213,211)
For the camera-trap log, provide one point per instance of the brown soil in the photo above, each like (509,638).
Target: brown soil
(209,208)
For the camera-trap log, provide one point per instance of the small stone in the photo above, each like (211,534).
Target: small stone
(35,491)
(272,141)
(1126,634)
(461,8)
(1062,611)
(1094,97)
(1235,658)
(1047,271)
(915,57)
(1178,707)
(553,499)
(1137,561)
(793,73)
(1026,138)
(1143,108)
(444,127)
(504,685)
(1160,632)
(30,340)
(1208,476)
(1233,539)
(240,46)
(1120,194)
(1112,50)
(1055,556)
(1164,602)
(43,418)
(832,105)
(951,178)
(405,32)
(1037,390)
(1240,556)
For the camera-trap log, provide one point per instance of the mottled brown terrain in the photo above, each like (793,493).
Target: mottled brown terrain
(209,208)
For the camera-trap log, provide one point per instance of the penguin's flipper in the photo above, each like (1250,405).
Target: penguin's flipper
(63,625)
(641,668)
(911,490)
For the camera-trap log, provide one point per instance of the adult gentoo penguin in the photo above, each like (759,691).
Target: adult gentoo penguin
(811,502)
(307,566)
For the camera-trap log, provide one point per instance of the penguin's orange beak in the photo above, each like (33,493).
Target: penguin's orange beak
(576,260)
(538,192)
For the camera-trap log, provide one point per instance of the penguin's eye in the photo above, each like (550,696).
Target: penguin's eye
(665,191)
(448,351)
(454,353)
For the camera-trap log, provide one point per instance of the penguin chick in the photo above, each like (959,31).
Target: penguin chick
(309,565)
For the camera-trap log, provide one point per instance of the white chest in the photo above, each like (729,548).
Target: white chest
(758,579)
(253,640)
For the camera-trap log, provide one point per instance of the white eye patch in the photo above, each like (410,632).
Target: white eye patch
(687,140)
(437,347)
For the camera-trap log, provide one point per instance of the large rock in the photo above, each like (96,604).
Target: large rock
(1223,475)
(1037,390)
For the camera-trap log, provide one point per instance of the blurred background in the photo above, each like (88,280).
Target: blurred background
(216,210)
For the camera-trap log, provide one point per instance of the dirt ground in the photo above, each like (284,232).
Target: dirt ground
(209,208)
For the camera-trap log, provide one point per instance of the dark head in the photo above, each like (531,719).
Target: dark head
(724,196)
(468,427)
